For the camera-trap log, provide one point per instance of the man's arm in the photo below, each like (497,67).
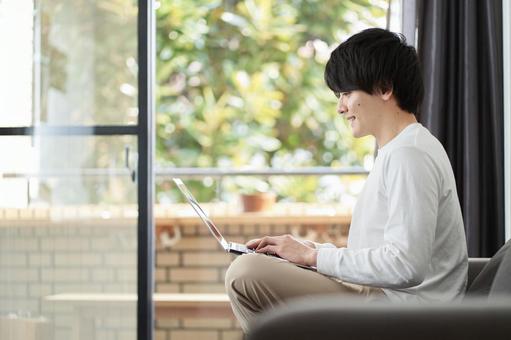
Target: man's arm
(411,184)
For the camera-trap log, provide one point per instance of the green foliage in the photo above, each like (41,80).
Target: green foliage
(240,83)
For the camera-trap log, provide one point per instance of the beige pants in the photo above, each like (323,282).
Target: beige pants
(256,282)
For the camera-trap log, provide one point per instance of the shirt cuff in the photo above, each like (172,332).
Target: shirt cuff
(328,261)
(323,245)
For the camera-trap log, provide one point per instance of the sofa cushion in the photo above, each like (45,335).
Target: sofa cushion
(502,282)
(495,277)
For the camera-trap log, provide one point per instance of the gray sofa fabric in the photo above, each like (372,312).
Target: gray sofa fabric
(329,318)
(495,278)
(501,285)
(475,266)
(485,313)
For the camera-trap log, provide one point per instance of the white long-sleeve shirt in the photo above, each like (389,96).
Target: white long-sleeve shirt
(406,233)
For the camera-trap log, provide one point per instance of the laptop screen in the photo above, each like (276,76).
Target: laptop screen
(202,214)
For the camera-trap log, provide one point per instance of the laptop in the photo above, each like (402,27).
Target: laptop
(229,247)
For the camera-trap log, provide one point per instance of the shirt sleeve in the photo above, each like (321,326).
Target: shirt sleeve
(411,184)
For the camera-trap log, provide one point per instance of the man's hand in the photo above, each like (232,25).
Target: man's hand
(287,247)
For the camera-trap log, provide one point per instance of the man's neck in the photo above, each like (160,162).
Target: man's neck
(392,126)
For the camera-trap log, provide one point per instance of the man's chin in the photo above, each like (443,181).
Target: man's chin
(358,134)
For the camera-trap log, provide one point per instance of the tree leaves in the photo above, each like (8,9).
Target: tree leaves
(259,91)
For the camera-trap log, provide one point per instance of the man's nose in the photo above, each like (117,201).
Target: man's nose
(341,108)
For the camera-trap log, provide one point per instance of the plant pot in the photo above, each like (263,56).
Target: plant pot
(258,202)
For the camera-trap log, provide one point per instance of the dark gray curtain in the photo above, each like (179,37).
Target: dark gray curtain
(460,47)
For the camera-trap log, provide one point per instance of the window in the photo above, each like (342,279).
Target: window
(240,85)
(71,231)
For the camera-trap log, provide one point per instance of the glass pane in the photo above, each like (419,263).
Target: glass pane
(237,89)
(70,62)
(68,238)
(16,66)
(69,170)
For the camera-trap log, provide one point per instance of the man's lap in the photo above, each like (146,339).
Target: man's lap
(284,280)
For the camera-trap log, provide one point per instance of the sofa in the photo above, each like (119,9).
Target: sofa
(484,313)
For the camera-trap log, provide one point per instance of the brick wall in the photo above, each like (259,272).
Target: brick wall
(69,257)
(197,264)
(42,255)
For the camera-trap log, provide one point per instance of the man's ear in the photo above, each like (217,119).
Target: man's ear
(386,94)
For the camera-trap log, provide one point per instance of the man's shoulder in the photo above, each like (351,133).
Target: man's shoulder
(410,161)
(407,154)
(423,148)
(419,145)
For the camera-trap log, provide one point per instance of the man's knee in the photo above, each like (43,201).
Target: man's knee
(244,269)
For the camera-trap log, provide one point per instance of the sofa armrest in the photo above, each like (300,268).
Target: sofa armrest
(329,318)
(475,265)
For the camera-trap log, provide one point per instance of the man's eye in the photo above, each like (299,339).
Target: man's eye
(342,94)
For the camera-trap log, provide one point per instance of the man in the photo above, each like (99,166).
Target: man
(406,240)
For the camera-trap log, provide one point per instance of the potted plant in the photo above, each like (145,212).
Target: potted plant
(255,194)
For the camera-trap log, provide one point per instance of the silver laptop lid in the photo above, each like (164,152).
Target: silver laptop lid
(202,214)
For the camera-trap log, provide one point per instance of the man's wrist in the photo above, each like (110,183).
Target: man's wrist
(310,244)
(313,257)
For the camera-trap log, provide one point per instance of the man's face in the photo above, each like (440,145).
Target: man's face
(361,110)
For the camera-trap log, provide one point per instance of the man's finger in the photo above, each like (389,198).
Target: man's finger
(268,250)
(253,243)
(267,240)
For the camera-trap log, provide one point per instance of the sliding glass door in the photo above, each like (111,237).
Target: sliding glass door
(75,172)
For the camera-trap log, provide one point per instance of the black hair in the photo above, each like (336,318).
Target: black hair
(377,60)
